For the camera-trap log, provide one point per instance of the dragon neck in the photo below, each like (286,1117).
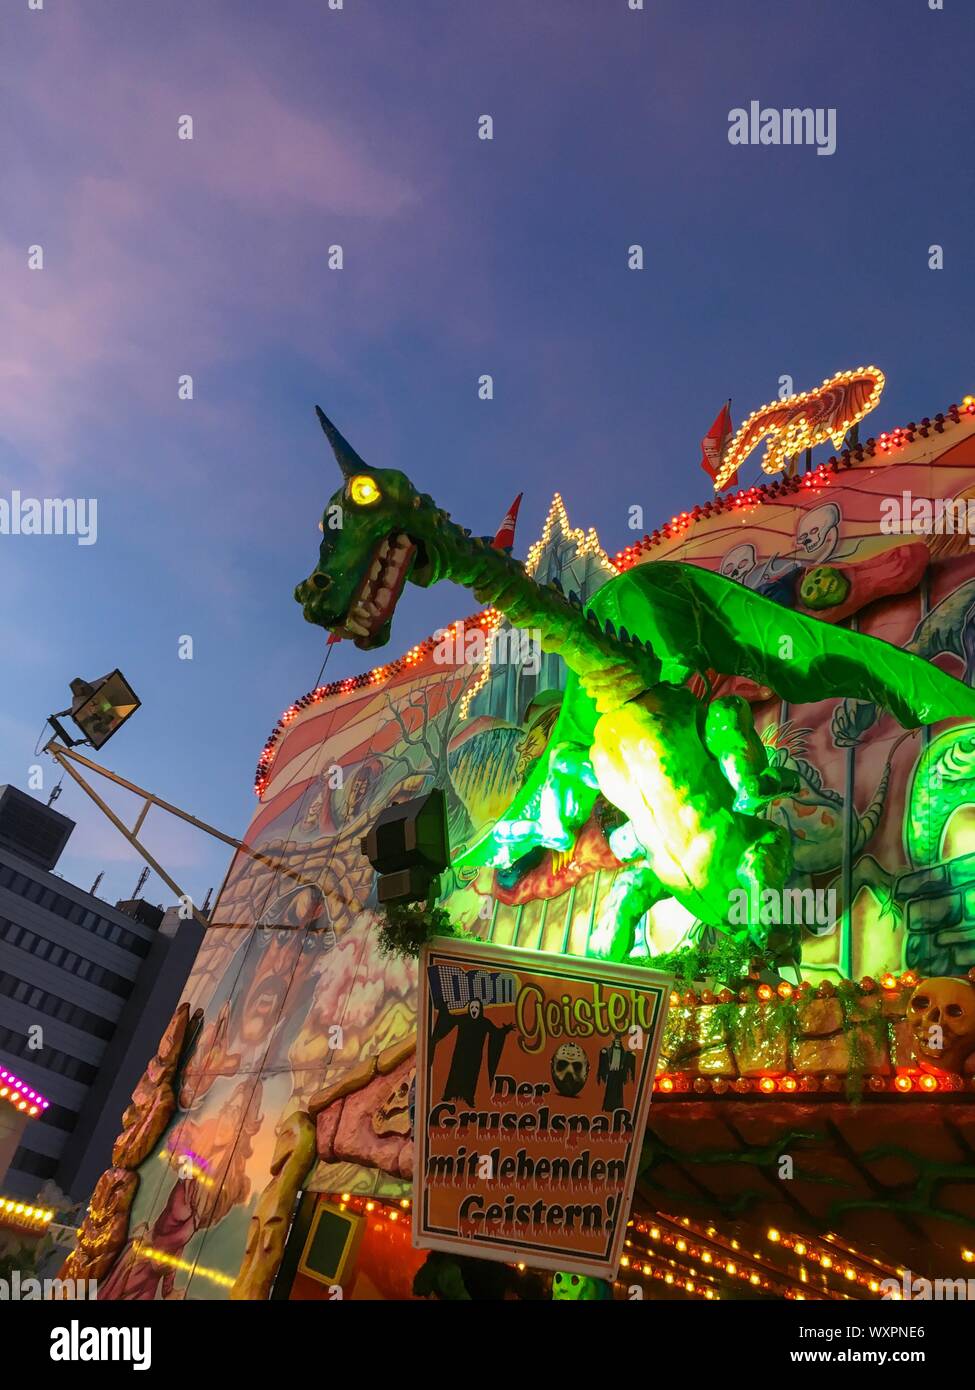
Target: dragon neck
(615,666)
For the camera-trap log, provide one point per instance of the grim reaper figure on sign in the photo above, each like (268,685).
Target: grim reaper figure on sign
(473,1028)
(617,1066)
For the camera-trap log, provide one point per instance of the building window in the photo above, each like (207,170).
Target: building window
(38,1165)
(72,963)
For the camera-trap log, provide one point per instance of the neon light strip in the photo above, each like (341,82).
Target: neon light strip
(20,1095)
(23,1213)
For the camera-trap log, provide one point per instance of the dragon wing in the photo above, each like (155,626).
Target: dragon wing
(697,621)
(575,724)
(486,848)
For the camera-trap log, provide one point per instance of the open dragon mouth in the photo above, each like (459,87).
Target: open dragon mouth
(373,603)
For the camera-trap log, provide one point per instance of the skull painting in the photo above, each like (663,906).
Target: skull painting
(393,1116)
(942,1018)
(818,534)
(739,562)
(824,587)
(578,1288)
(570,1068)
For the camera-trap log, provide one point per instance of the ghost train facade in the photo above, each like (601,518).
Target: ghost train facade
(283,1090)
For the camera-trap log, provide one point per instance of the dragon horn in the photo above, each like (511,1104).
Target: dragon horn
(347,458)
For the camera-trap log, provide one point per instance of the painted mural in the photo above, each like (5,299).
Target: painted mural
(291,1003)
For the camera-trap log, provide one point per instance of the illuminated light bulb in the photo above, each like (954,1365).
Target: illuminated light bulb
(773,1234)
(764,993)
(928,1083)
(665,1083)
(706,1257)
(903,1083)
(826,1261)
(731,1267)
(654,1233)
(888,980)
(968,1256)
(767,1084)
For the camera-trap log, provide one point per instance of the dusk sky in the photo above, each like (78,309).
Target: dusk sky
(359,127)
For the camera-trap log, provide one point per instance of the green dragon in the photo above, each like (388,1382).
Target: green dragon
(689,776)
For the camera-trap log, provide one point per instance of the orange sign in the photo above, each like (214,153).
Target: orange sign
(534,1075)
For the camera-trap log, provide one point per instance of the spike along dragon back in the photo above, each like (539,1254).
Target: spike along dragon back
(688,776)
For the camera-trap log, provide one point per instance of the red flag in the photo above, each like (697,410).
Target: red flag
(715,442)
(505,538)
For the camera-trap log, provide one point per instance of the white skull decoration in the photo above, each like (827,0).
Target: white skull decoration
(570,1068)
(942,1019)
(739,562)
(818,534)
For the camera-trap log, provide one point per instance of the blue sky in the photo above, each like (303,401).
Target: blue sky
(359,127)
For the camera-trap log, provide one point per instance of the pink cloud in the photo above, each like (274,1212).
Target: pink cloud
(164,255)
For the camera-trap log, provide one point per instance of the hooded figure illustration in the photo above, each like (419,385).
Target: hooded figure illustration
(473,1027)
(617,1065)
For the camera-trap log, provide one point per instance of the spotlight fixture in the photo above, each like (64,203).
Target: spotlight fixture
(408,848)
(99,709)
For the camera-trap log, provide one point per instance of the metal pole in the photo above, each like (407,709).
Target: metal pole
(60,753)
(106,810)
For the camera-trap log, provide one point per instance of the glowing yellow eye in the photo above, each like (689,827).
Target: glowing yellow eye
(364,491)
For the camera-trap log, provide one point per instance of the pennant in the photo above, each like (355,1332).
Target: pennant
(714,444)
(505,538)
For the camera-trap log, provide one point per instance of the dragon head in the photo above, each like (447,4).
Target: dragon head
(377,533)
